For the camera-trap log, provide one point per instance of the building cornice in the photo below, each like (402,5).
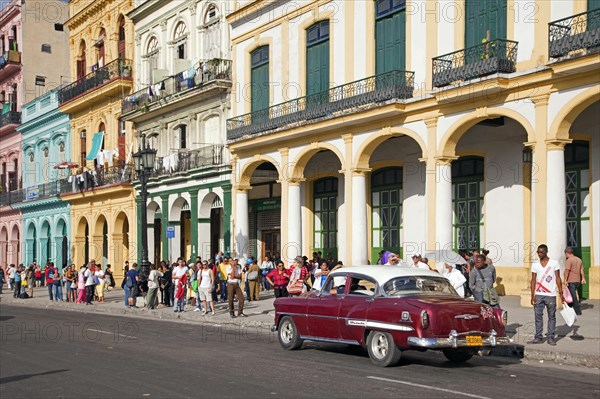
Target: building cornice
(55,115)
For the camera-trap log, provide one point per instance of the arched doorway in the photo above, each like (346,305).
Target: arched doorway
(582,176)
(31,244)
(120,241)
(395,193)
(45,244)
(180,218)
(488,182)
(263,213)
(14,252)
(155,228)
(3,246)
(211,226)
(467,202)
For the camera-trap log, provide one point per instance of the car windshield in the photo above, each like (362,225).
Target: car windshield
(418,285)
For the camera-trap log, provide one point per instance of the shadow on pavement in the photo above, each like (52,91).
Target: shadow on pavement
(5,380)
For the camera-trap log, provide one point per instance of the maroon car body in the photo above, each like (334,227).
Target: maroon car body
(390,309)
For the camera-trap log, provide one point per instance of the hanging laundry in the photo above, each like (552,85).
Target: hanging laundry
(184,75)
(108,156)
(174,161)
(100,158)
(166,164)
(150,92)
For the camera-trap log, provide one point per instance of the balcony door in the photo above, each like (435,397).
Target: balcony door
(484,16)
(259,79)
(317,58)
(390,35)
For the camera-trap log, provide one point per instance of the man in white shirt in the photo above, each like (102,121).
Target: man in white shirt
(178,271)
(456,278)
(545,283)
(234,278)
(88,277)
(417,262)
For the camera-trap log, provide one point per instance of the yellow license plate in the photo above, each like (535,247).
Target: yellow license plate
(474,340)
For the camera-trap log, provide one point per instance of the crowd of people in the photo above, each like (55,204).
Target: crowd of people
(67,285)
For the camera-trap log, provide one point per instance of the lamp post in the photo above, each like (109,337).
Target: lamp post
(144,160)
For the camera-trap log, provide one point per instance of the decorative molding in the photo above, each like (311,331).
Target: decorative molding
(445,160)
(557,144)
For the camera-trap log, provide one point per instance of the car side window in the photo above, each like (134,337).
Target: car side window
(362,286)
(334,285)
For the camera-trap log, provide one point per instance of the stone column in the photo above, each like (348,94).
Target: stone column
(359,251)
(556,199)
(242,229)
(293,246)
(443,203)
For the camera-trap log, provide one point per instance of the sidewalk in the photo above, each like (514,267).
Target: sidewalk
(578,345)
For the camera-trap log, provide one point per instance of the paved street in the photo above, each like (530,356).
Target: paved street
(53,353)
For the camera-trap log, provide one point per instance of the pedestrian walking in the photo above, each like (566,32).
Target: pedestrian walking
(574,278)
(545,283)
(81,284)
(206,282)
(481,282)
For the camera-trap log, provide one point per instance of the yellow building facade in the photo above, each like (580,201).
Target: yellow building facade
(102,199)
(437,138)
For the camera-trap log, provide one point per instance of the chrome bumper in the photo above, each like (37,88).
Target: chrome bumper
(455,340)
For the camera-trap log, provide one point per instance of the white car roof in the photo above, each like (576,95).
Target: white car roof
(383,274)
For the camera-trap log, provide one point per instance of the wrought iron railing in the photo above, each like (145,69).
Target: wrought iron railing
(204,72)
(12,197)
(210,155)
(577,32)
(10,118)
(116,69)
(93,179)
(375,89)
(484,59)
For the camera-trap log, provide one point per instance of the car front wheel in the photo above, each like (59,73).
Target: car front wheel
(288,334)
(382,349)
(457,355)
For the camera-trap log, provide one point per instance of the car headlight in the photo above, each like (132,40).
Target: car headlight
(504,318)
(424,319)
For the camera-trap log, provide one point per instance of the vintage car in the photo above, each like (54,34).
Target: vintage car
(390,309)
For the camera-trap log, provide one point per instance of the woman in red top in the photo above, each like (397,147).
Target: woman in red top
(279,279)
(298,273)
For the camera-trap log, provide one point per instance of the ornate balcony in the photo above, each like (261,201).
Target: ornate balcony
(10,118)
(393,85)
(94,179)
(574,34)
(205,72)
(494,56)
(115,70)
(12,197)
(207,156)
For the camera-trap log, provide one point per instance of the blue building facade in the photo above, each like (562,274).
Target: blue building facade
(46,160)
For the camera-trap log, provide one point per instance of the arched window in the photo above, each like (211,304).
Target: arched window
(180,41)
(100,46)
(30,178)
(152,54)
(121,43)
(212,34)
(46,167)
(81,60)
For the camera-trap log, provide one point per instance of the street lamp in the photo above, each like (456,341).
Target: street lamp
(143,161)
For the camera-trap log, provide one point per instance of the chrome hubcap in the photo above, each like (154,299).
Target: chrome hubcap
(380,346)
(287,333)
